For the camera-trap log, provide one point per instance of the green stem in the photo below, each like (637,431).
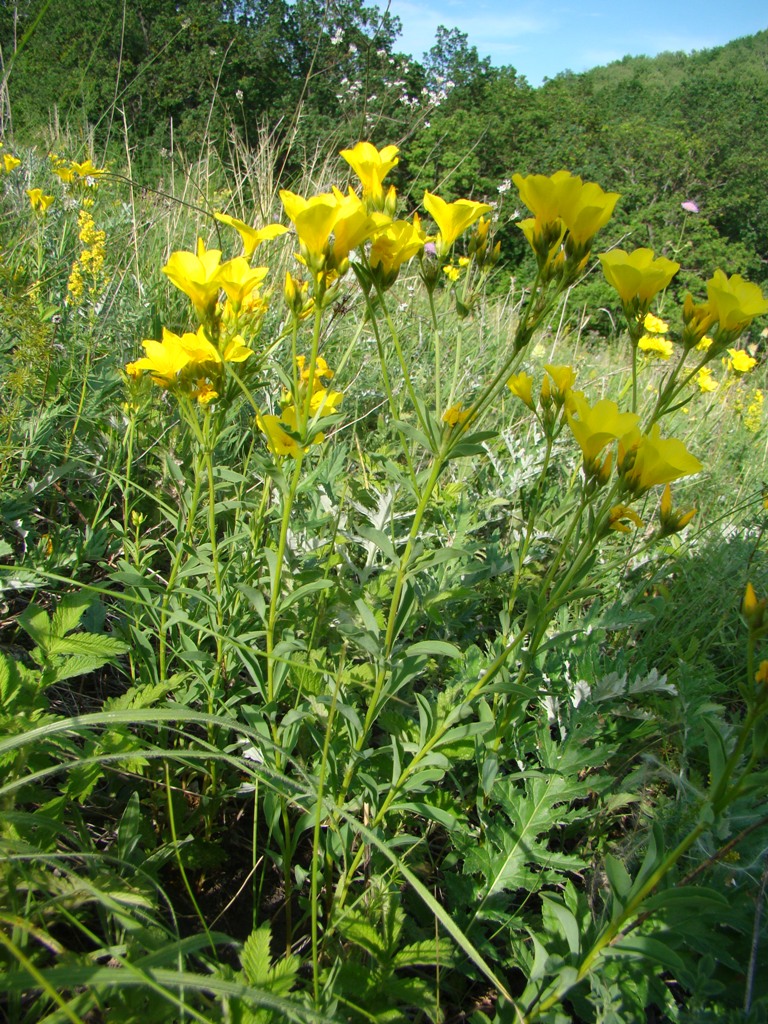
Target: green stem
(315,880)
(274,599)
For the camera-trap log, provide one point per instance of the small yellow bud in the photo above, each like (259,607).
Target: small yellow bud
(753,608)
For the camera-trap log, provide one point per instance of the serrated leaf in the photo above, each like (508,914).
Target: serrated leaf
(356,929)
(255,958)
(34,620)
(95,645)
(69,612)
(426,954)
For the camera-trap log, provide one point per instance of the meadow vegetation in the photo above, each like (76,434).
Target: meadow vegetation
(384,626)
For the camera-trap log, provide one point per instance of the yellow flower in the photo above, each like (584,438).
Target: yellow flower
(661,347)
(753,608)
(740,361)
(753,417)
(236,350)
(164,359)
(452,219)
(239,279)
(204,392)
(10,163)
(456,415)
(196,276)
(705,380)
(637,276)
(585,213)
(563,203)
(371,166)
(672,521)
(276,430)
(322,370)
(697,320)
(86,169)
(597,425)
(198,346)
(353,226)
(38,201)
(620,515)
(451,272)
(654,460)
(761,676)
(314,220)
(654,325)
(324,402)
(252,237)
(66,174)
(734,302)
(394,245)
(564,377)
(521,385)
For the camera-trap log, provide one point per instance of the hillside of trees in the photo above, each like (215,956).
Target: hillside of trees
(160,76)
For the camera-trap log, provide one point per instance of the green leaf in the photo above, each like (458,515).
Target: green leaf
(645,947)
(255,957)
(36,624)
(618,876)
(556,913)
(69,612)
(437,648)
(94,645)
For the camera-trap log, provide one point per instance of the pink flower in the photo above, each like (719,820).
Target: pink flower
(689,206)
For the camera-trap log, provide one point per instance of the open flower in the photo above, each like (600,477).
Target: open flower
(521,385)
(654,345)
(452,219)
(705,380)
(314,220)
(10,163)
(280,430)
(739,361)
(637,276)
(238,279)
(654,324)
(734,302)
(653,460)
(38,201)
(394,245)
(562,380)
(371,165)
(197,276)
(165,359)
(252,237)
(329,214)
(86,169)
(564,208)
(596,426)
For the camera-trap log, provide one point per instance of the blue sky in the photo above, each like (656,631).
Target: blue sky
(541,39)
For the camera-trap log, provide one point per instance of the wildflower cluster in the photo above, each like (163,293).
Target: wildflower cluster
(196,365)
(312,400)
(87,274)
(568,213)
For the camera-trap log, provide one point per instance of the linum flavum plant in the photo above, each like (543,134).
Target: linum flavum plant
(353,679)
